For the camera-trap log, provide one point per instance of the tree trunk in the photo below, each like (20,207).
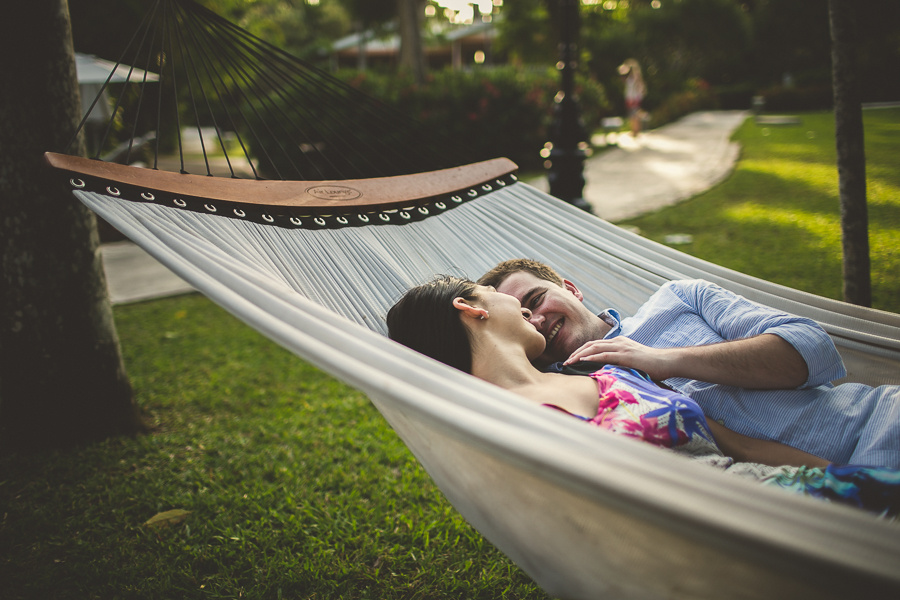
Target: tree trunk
(62,380)
(412,54)
(851,154)
(362,54)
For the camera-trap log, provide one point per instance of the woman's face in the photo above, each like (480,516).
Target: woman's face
(507,316)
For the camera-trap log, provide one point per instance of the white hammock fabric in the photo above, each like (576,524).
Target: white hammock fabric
(585,513)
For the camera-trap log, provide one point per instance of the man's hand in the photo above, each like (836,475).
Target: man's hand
(659,363)
(764,362)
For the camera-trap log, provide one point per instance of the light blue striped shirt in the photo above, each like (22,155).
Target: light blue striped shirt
(846,424)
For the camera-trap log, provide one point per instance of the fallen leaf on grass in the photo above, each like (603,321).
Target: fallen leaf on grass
(170,517)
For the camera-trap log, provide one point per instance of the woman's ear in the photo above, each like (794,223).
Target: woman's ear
(469,310)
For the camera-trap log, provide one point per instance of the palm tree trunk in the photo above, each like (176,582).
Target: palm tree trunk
(62,380)
(851,154)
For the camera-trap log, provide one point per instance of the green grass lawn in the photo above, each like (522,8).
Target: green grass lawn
(778,216)
(297,487)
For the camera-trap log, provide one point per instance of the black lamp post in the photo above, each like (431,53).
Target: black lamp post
(566,158)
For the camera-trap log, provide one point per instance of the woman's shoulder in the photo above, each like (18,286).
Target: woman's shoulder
(574,395)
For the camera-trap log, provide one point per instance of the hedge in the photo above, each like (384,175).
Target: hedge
(696,96)
(492,111)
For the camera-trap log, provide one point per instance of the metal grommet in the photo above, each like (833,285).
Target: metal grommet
(423,210)
(78,183)
(342,220)
(238,212)
(440,205)
(179,202)
(319,221)
(486,187)
(404,214)
(363,218)
(209,207)
(456,199)
(267,218)
(513,177)
(113,191)
(472,193)
(383,217)
(148,196)
(296,221)
(501,183)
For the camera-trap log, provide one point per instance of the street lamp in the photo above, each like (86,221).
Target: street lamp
(566,168)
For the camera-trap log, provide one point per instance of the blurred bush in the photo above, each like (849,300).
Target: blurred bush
(736,96)
(697,95)
(490,112)
(812,97)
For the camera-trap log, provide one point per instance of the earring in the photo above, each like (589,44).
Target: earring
(484,316)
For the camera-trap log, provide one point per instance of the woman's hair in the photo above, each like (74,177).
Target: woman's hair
(630,65)
(425,320)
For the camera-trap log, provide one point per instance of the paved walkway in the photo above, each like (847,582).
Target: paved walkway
(657,169)
(133,275)
(662,166)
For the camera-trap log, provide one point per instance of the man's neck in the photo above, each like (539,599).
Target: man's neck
(601,329)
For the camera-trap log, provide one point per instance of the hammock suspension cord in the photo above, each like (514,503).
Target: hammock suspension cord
(289,120)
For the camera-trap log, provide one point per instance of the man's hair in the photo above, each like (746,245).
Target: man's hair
(426,321)
(498,274)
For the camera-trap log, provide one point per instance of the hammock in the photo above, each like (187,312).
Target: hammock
(315,265)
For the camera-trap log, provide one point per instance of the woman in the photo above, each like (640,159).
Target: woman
(483,332)
(635,90)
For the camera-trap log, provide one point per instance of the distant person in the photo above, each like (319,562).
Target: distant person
(635,90)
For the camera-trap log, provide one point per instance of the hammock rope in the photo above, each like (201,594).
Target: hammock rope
(289,120)
(68,147)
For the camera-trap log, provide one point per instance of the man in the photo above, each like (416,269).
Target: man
(758,371)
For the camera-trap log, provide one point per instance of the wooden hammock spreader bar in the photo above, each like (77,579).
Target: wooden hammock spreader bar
(307,197)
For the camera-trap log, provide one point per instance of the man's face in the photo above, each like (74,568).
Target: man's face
(557,313)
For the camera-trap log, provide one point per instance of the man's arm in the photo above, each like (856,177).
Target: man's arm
(762,362)
(714,335)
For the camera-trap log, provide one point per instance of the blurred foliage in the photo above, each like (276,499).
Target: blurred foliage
(739,47)
(493,112)
(695,54)
(780,98)
(302,29)
(697,95)
(527,33)
(371,12)
(104,27)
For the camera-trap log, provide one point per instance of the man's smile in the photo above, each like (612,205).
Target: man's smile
(552,333)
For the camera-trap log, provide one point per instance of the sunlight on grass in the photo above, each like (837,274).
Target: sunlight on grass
(777,216)
(879,191)
(826,229)
(818,177)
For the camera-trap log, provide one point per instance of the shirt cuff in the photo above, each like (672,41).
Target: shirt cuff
(815,346)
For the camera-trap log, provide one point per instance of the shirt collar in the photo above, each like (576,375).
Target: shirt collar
(611,317)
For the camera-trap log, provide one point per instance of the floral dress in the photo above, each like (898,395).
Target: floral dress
(633,405)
